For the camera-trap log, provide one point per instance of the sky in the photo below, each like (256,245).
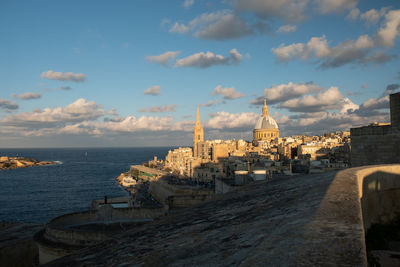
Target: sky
(132,73)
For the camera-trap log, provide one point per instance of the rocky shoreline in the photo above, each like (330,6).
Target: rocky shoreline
(8,163)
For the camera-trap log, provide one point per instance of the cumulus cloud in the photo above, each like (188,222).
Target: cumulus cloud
(67,76)
(187,3)
(154,90)
(373,16)
(329,6)
(7,105)
(81,118)
(229,26)
(287,28)
(179,28)
(359,51)
(283,92)
(208,59)
(163,59)
(28,96)
(390,28)
(285,9)
(328,121)
(330,99)
(382,102)
(226,120)
(78,111)
(353,14)
(362,51)
(156,109)
(220,25)
(227,93)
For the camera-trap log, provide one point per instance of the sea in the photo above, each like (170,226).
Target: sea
(38,194)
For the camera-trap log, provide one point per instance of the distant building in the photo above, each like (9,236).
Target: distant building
(266,128)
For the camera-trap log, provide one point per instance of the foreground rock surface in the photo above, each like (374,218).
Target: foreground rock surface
(272,223)
(7,163)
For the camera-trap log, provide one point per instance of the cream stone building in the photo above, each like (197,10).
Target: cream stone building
(266,128)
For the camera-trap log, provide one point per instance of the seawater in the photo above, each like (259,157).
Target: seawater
(38,194)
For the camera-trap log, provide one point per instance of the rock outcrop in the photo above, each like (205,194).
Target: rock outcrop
(7,163)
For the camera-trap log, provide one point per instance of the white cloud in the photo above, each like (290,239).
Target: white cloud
(382,102)
(156,109)
(7,105)
(373,16)
(163,59)
(227,93)
(362,51)
(329,6)
(208,59)
(28,96)
(188,3)
(353,14)
(67,76)
(390,28)
(284,92)
(78,111)
(154,90)
(220,25)
(179,28)
(288,10)
(327,121)
(331,99)
(229,26)
(287,28)
(359,51)
(226,120)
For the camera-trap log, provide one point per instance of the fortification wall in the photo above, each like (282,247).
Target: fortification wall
(395,111)
(175,196)
(379,192)
(371,146)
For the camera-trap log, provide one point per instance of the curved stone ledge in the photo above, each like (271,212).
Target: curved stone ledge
(73,231)
(311,220)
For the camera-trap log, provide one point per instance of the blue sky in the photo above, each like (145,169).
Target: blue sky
(131,73)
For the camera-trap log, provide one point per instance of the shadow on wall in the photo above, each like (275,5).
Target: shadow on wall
(380,198)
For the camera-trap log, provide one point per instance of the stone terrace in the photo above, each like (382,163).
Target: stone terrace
(297,221)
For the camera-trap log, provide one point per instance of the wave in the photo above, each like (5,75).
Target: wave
(58,162)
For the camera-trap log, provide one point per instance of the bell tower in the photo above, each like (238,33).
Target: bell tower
(198,134)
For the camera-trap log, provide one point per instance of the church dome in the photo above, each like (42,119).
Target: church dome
(266,123)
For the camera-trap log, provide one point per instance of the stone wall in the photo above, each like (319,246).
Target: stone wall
(395,111)
(373,145)
(175,195)
(378,144)
(379,190)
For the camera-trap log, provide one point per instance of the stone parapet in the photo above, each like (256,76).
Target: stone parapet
(371,130)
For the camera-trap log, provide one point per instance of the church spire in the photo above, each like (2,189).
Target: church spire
(198,117)
(198,134)
(265,112)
